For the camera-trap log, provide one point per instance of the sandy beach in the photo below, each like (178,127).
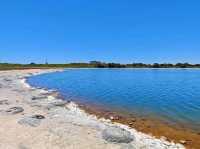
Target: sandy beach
(32,118)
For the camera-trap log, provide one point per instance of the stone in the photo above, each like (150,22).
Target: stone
(7,80)
(59,103)
(22,146)
(111,117)
(38,97)
(18,90)
(33,121)
(182,141)
(128,146)
(14,110)
(49,93)
(133,120)
(117,135)
(114,117)
(37,116)
(4,102)
(130,124)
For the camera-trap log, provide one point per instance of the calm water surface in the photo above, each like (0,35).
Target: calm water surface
(173,95)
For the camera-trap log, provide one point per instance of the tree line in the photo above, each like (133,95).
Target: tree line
(97,64)
(142,65)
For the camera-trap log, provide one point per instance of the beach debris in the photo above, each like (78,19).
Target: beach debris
(117,135)
(32,121)
(14,110)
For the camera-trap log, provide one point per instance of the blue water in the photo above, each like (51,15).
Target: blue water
(173,95)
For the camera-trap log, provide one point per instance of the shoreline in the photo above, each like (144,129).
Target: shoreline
(63,120)
(152,126)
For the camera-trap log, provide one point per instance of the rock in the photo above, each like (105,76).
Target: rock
(111,117)
(14,110)
(37,116)
(39,88)
(133,120)
(22,146)
(117,135)
(21,77)
(4,102)
(59,103)
(38,97)
(182,141)
(130,124)
(114,117)
(18,90)
(32,121)
(7,80)
(163,138)
(128,146)
(32,89)
(49,93)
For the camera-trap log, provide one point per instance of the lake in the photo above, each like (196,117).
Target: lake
(171,95)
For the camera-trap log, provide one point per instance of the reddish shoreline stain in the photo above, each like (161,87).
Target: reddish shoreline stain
(188,137)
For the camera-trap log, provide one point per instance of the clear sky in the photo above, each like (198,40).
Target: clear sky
(124,31)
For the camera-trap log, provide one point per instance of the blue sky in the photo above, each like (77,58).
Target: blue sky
(108,30)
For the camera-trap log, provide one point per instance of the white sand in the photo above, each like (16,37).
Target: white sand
(64,127)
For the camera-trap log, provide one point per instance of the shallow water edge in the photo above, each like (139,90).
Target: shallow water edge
(150,126)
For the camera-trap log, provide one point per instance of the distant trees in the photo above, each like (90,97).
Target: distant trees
(183,65)
(32,63)
(97,64)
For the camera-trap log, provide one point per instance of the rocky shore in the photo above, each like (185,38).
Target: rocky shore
(32,118)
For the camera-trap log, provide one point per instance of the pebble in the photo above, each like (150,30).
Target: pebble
(33,121)
(37,116)
(130,124)
(38,98)
(14,110)
(183,141)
